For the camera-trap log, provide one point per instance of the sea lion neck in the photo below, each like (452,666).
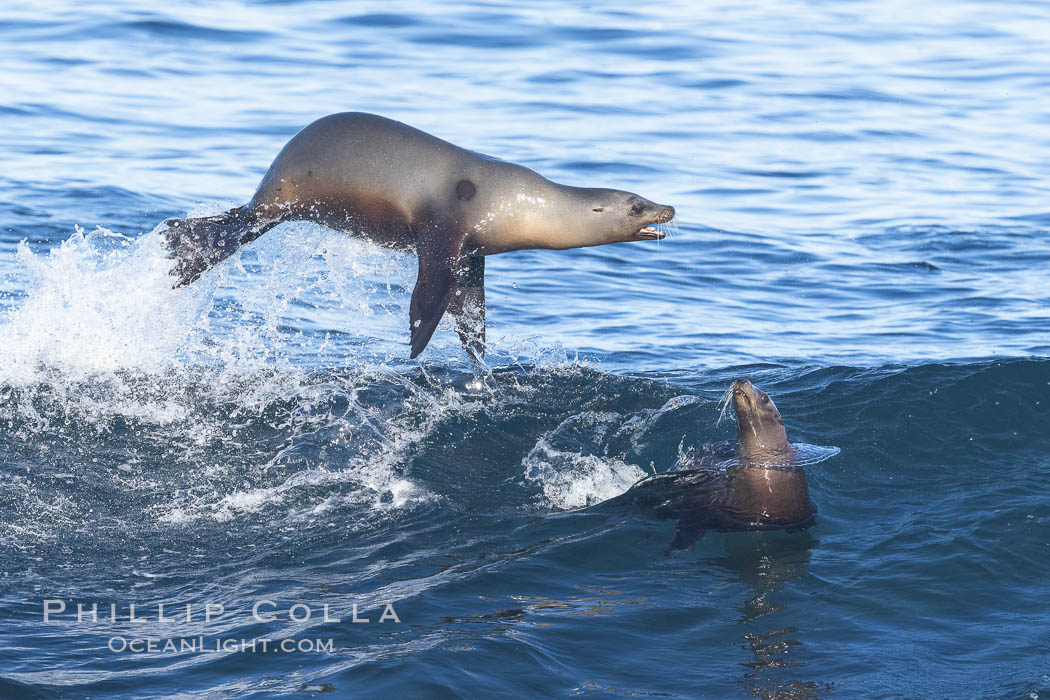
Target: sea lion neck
(759,454)
(761,436)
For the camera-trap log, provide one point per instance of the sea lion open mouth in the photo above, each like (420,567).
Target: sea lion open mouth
(651,233)
(654,231)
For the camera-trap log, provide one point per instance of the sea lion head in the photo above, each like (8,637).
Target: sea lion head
(578,217)
(624,216)
(761,436)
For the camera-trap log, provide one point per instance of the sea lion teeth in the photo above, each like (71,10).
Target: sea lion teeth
(650,232)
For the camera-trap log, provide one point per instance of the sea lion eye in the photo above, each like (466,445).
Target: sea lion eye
(637,209)
(765,399)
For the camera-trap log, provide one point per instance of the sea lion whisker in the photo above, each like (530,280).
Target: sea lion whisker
(668,228)
(723,405)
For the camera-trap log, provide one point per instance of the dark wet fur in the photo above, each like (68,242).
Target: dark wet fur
(704,499)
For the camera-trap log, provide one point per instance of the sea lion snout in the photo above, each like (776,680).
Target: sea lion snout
(749,399)
(665,214)
(743,393)
(653,214)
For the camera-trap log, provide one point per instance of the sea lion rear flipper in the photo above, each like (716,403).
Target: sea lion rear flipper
(439,258)
(199,244)
(467,305)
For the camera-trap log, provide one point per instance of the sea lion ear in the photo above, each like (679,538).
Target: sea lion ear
(439,254)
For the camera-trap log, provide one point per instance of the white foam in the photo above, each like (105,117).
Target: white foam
(570,479)
(100,310)
(96,304)
(101,335)
(573,481)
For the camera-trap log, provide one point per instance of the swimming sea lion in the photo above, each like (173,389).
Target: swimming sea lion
(764,489)
(405,189)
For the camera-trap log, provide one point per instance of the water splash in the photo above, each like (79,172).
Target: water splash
(210,379)
(570,479)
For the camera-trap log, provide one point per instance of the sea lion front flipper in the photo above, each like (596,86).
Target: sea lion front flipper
(688,533)
(439,254)
(467,305)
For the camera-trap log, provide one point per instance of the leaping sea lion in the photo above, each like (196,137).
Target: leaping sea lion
(405,189)
(764,488)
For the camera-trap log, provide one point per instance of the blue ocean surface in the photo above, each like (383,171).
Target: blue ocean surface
(863,231)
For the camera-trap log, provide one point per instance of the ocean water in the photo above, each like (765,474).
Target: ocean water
(863,231)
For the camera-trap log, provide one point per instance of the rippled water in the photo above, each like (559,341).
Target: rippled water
(863,232)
